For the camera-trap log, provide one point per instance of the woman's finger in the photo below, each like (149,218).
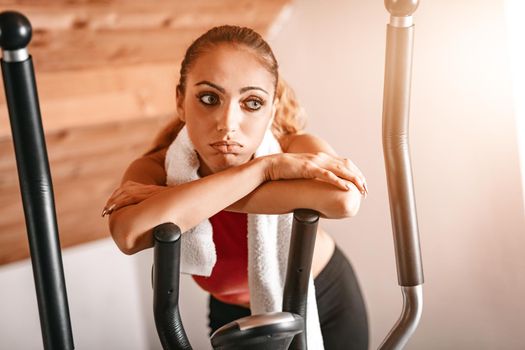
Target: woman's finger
(335,171)
(343,172)
(328,176)
(125,187)
(117,202)
(350,165)
(117,192)
(129,193)
(112,206)
(108,210)
(113,195)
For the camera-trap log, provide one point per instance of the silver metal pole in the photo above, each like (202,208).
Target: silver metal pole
(396,105)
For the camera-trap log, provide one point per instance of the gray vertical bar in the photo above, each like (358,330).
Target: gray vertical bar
(396,107)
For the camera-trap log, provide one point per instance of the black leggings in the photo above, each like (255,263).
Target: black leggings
(342,311)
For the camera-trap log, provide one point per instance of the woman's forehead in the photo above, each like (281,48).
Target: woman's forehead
(230,67)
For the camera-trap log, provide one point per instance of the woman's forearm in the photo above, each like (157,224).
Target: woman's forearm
(186,205)
(283,196)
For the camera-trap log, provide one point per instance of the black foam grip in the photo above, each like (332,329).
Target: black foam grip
(302,243)
(15,30)
(166,272)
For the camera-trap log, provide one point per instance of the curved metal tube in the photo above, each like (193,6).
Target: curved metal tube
(408,321)
(396,105)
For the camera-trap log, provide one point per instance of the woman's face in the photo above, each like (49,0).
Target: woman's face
(227,106)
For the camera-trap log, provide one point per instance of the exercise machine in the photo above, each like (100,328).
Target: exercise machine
(270,331)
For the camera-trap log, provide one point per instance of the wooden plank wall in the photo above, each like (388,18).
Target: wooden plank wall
(106,72)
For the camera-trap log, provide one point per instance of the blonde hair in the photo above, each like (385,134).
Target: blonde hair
(289,116)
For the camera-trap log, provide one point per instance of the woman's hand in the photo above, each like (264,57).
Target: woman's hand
(321,166)
(129,193)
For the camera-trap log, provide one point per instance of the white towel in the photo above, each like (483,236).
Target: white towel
(267,253)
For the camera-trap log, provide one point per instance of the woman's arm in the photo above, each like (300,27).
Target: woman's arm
(279,197)
(283,196)
(190,203)
(146,176)
(186,204)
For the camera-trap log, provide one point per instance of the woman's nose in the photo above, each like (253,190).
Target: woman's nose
(230,118)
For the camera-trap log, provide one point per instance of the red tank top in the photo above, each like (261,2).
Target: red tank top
(228,281)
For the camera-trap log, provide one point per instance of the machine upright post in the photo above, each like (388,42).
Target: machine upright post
(300,257)
(166,283)
(35,181)
(396,103)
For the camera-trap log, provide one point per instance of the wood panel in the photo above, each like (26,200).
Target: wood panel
(106,72)
(90,97)
(85,34)
(86,166)
(98,61)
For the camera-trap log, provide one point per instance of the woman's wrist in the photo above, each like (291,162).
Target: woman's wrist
(264,164)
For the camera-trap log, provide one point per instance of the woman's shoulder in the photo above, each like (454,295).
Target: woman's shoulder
(302,142)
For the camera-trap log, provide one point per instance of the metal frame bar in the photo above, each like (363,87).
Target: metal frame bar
(396,106)
(35,181)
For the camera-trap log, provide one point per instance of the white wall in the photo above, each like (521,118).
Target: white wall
(464,154)
(104,300)
(467,185)
(110,301)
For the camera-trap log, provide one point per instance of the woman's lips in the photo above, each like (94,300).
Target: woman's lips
(227,147)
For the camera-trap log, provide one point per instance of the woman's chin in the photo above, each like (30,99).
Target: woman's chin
(229,161)
(222,161)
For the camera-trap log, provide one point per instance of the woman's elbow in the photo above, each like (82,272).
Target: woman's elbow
(349,202)
(121,236)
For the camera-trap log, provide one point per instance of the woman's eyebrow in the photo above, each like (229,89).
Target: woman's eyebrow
(221,89)
(244,89)
(205,82)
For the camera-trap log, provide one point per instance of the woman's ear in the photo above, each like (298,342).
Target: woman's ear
(180,104)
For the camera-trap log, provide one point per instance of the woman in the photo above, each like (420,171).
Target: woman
(228,95)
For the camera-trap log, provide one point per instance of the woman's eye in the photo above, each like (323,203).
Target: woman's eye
(253,104)
(209,99)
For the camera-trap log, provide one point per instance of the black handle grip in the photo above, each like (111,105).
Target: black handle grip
(15,31)
(166,273)
(302,243)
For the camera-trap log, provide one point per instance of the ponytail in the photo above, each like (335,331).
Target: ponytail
(165,136)
(289,115)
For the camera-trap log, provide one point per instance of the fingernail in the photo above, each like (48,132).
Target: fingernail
(104,212)
(110,209)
